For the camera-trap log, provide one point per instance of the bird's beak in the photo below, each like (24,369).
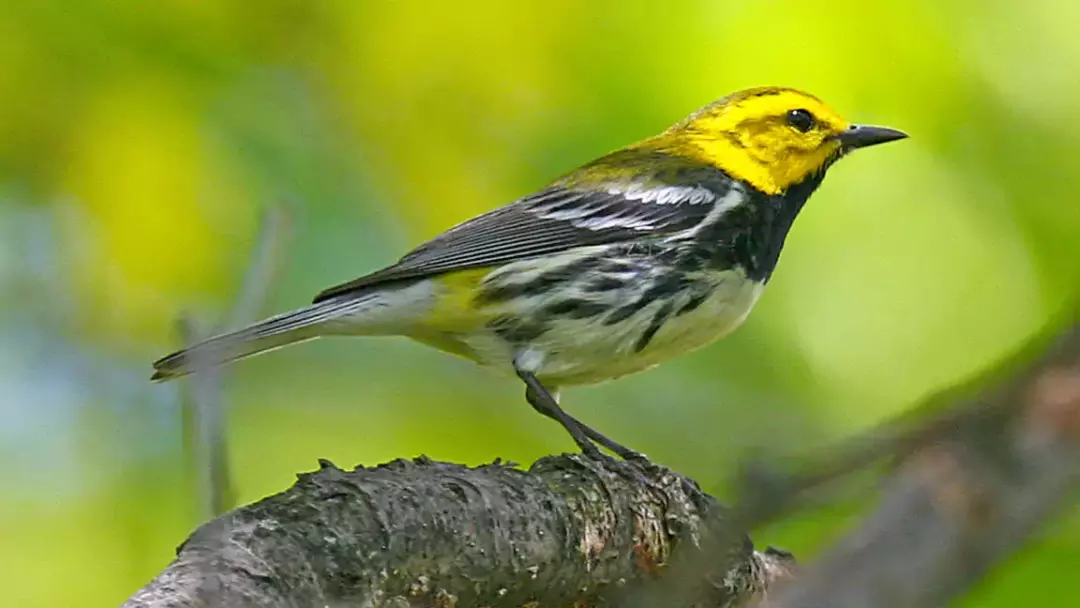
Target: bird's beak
(861,136)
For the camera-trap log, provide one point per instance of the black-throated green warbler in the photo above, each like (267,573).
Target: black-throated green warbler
(645,253)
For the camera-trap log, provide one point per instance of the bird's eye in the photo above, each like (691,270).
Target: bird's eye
(801,119)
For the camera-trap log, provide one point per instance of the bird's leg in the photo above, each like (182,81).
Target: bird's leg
(542,401)
(619,449)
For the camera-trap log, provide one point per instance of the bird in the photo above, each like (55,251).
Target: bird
(645,253)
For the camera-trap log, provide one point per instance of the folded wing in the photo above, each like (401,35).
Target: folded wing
(551,221)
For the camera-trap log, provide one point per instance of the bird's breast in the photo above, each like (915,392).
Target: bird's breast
(730,299)
(621,317)
(662,331)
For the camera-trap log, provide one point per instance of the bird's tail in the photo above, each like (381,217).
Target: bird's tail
(274,332)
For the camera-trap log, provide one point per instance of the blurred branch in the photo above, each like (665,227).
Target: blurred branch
(266,262)
(570,531)
(770,489)
(203,413)
(963,501)
(203,407)
(973,481)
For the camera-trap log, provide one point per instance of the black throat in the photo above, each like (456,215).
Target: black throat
(752,235)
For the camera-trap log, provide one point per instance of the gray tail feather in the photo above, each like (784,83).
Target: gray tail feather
(275,332)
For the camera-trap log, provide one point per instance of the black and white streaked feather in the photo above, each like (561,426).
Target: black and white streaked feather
(560,218)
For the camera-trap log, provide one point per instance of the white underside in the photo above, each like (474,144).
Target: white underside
(571,351)
(576,351)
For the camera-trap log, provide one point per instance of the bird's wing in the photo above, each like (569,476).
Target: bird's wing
(550,221)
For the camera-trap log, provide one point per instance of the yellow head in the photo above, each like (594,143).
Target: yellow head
(769,137)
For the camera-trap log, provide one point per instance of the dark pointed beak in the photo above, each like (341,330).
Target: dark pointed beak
(861,136)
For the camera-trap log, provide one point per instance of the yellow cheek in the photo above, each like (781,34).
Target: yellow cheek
(797,166)
(787,159)
(768,159)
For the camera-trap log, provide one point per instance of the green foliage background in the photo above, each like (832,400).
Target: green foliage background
(139,142)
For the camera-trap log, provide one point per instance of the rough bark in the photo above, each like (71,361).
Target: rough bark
(568,532)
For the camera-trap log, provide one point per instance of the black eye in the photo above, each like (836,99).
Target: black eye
(801,119)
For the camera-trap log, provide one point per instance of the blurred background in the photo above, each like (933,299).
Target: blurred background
(140,142)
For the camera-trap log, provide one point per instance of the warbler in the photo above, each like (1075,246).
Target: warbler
(645,253)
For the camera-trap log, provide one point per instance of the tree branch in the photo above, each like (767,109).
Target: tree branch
(420,533)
